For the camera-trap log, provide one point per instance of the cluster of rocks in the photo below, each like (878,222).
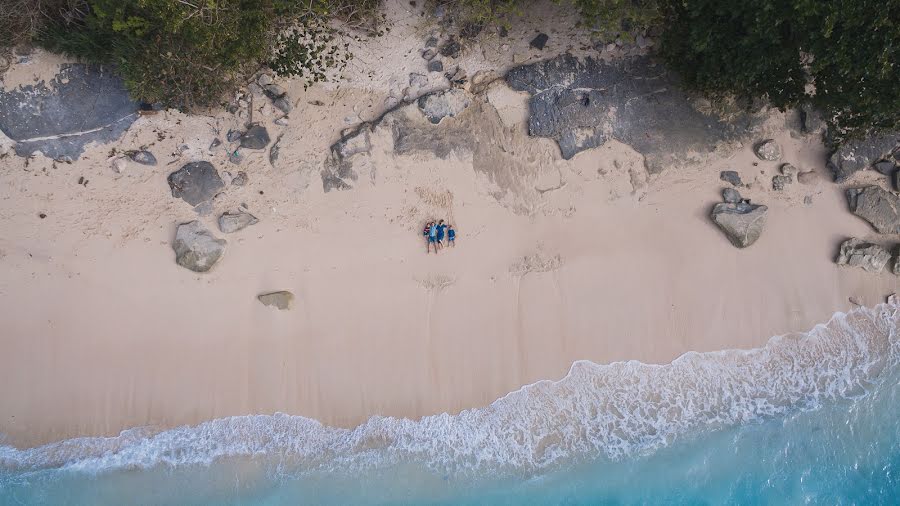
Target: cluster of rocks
(741,221)
(881,209)
(880,152)
(866,255)
(264,86)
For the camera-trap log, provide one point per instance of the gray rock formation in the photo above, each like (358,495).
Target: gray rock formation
(731,177)
(195,182)
(196,248)
(876,205)
(435,66)
(742,223)
(856,155)
(768,150)
(142,157)
(439,105)
(539,42)
(232,222)
(283,104)
(858,253)
(885,167)
(281,300)
(731,196)
(257,137)
(82,104)
(582,103)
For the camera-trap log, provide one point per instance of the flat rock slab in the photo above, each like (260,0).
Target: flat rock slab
(856,155)
(82,104)
(742,223)
(281,300)
(196,248)
(858,253)
(582,103)
(876,205)
(232,222)
(195,182)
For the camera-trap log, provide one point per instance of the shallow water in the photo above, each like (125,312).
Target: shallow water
(811,418)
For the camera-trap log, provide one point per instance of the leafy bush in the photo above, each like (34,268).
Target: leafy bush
(842,57)
(618,18)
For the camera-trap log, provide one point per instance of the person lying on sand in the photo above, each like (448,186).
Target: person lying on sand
(440,233)
(451,236)
(432,238)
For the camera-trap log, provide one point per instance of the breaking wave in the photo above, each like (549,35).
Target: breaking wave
(616,411)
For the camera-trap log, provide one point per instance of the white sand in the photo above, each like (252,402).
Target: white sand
(101,330)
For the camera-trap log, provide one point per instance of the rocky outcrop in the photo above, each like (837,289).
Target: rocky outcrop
(858,253)
(196,248)
(195,182)
(742,222)
(768,150)
(281,300)
(876,205)
(856,155)
(439,105)
(230,222)
(82,104)
(582,103)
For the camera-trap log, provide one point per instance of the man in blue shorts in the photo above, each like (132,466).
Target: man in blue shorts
(440,233)
(432,238)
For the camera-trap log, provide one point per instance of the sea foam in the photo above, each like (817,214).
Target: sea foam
(615,411)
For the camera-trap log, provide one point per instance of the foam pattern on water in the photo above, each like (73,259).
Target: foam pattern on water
(617,411)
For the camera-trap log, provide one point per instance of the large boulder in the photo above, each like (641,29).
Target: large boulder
(876,205)
(439,105)
(858,253)
(196,248)
(742,222)
(195,182)
(855,155)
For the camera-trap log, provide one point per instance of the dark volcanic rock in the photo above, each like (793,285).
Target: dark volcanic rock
(196,248)
(196,182)
(232,222)
(435,66)
(82,104)
(540,41)
(856,155)
(876,205)
(450,49)
(858,253)
(142,157)
(255,138)
(742,223)
(885,167)
(582,103)
(731,177)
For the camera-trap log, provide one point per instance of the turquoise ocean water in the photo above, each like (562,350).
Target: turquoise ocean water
(810,418)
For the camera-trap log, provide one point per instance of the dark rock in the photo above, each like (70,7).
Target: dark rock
(196,248)
(233,136)
(885,167)
(450,49)
(240,179)
(582,103)
(283,104)
(858,253)
(215,143)
(435,66)
(731,177)
(273,91)
(255,138)
(471,30)
(896,179)
(204,208)
(742,223)
(142,157)
(810,120)
(351,143)
(274,152)
(439,105)
(540,41)
(232,222)
(731,196)
(856,155)
(82,104)
(767,150)
(431,42)
(504,32)
(429,54)
(281,300)
(876,205)
(789,170)
(196,182)
(779,182)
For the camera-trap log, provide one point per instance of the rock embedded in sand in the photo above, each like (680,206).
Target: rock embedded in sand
(539,42)
(789,170)
(768,150)
(142,157)
(283,104)
(876,205)
(808,178)
(230,222)
(742,223)
(257,137)
(731,177)
(281,299)
(439,105)
(196,248)
(435,66)
(731,196)
(855,155)
(858,253)
(450,48)
(195,182)
(779,182)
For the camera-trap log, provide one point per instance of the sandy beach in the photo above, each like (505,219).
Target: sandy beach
(591,258)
